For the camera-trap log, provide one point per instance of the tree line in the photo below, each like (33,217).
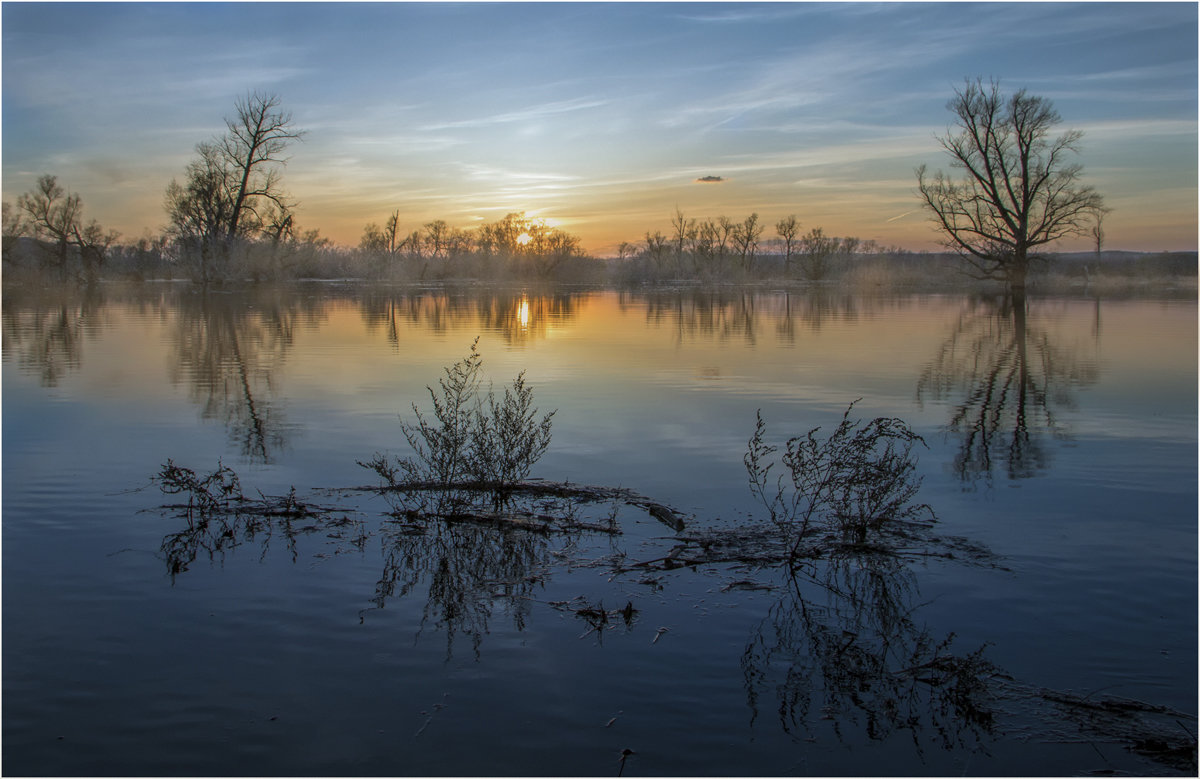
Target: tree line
(724,248)
(229,218)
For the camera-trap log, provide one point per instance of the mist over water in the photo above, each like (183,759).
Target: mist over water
(1061,437)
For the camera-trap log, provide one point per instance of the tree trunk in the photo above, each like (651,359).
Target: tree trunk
(1017,272)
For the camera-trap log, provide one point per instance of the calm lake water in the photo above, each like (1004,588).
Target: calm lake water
(1063,440)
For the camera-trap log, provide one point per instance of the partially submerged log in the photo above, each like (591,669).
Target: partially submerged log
(540,488)
(664,514)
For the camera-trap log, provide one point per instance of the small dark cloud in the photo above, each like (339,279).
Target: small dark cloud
(709,179)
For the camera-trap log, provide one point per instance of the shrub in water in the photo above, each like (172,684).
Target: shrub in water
(206,494)
(854,482)
(485,443)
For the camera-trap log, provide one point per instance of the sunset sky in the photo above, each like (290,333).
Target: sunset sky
(598,117)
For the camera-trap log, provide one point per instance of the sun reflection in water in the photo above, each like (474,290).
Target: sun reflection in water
(523,313)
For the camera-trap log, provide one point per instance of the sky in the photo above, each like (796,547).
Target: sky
(601,118)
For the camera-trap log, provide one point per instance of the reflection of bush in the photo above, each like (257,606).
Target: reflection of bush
(469,561)
(845,639)
(468,568)
(220,517)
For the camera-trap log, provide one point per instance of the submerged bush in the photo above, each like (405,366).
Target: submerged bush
(470,440)
(852,483)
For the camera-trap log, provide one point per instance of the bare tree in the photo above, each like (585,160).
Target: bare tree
(15,227)
(232,190)
(385,243)
(1097,231)
(500,238)
(436,237)
(685,230)
(656,246)
(816,253)
(1018,191)
(787,229)
(199,209)
(391,229)
(94,242)
(705,246)
(745,237)
(253,147)
(554,247)
(372,240)
(56,217)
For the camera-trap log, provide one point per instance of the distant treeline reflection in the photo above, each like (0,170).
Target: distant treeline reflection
(1000,369)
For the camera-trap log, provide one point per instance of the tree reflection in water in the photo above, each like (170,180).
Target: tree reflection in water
(844,638)
(1008,380)
(228,350)
(45,328)
(520,317)
(725,314)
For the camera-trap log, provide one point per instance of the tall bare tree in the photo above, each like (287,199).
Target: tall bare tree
(1019,190)
(232,190)
(253,147)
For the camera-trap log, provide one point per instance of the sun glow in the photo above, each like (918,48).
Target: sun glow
(524,238)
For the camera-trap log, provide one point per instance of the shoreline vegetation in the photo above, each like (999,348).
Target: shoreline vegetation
(872,271)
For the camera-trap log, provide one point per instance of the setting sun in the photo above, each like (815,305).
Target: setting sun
(523,239)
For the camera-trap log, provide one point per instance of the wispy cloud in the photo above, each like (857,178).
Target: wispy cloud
(602,110)
(747,13)
(533,113)
(1135,128)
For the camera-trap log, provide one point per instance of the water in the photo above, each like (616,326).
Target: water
(358,648)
